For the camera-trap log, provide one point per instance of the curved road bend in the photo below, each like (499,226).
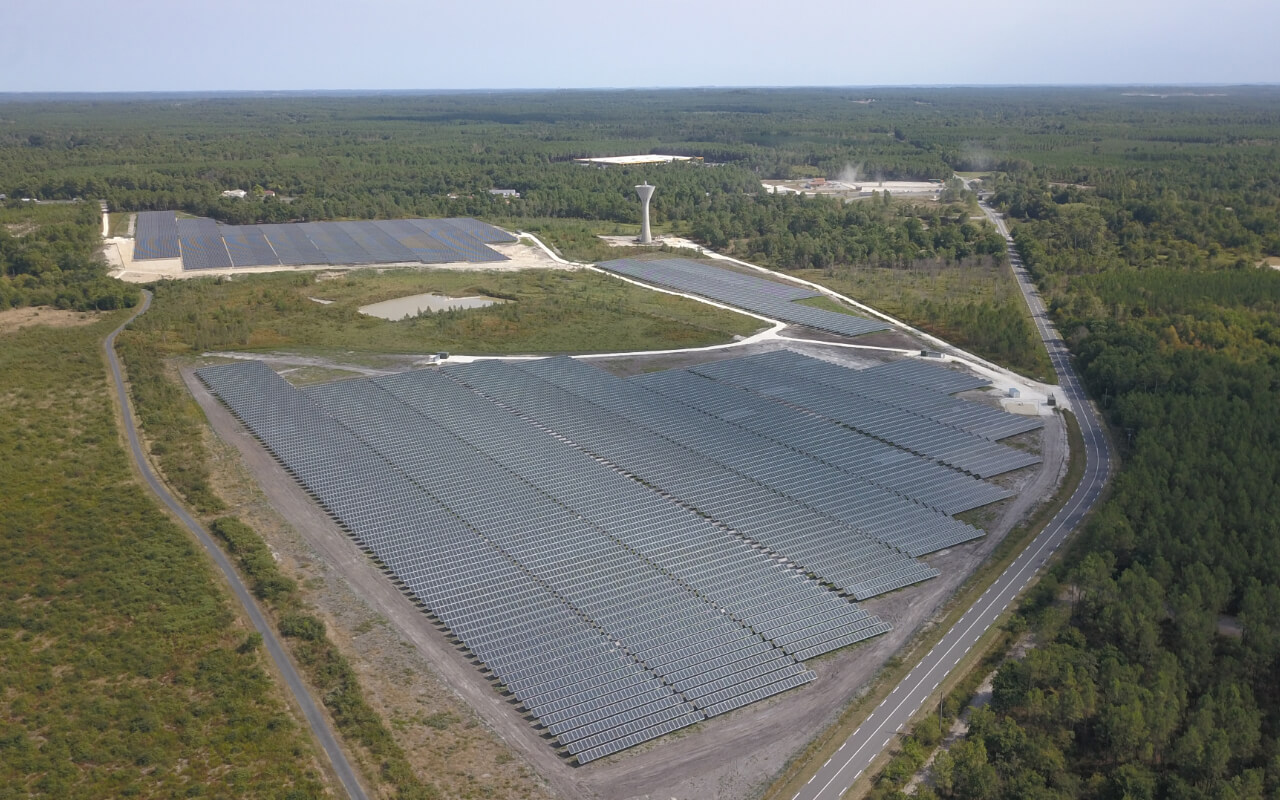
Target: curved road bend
(877,731)
(315,719)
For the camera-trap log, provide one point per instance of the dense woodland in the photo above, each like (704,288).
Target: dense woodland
(1154,668)
(49,257)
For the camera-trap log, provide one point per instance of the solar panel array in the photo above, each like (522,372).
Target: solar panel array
(202,245)
(929,376)
(614,614)
(923,480)
(986,421)
(205,244)
(892,411)
(835,551)
(248,246)
(628,557)
(768,298)
(156,235)
(820,487)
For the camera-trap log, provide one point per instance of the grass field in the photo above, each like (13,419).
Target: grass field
(123,670)
(548,311)
(977,307)
(119,222)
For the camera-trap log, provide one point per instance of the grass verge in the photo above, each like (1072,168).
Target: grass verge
(804,764)
(326,669)
(975,306)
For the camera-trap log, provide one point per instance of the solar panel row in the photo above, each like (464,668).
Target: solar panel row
(743,580)
(794,384)
(878,513)
(770,298)
(155,235)
(839,554)
(930,376)
(986,421)
(202,245)
(921,479)
(208,245)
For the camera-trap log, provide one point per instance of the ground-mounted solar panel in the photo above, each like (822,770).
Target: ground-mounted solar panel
(336,245)
(469,247)
(247,246)
(207,245)
(425,247)
(202,245)
(931,376)
(760,295)
(155,235)
(900,471)
(382,248)
(291,245)
(892,424)
(887,517)
(482,231)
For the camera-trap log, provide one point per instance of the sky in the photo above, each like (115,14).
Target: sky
(234,45)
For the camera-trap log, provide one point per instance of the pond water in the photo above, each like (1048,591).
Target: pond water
(401,307)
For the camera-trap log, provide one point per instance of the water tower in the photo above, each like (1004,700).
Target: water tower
(645,191)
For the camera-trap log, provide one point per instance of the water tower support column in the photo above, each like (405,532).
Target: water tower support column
(645,191)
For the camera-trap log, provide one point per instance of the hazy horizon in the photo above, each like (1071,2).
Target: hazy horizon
(147,46)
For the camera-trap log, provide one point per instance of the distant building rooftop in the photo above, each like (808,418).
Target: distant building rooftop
(505,192)
(605,161)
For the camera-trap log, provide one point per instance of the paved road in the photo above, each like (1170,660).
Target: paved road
(316,720)
(874,735)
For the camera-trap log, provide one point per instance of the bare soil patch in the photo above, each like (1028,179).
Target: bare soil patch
(15,318)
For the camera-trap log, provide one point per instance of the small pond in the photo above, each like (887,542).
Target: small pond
(410,306)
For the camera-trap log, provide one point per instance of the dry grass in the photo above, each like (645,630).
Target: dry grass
(16,318)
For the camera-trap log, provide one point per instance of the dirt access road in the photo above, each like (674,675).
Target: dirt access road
(315,718)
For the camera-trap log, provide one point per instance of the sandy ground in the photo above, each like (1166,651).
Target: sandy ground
(119,254)
(13,319)
(730,757)
(658,241)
